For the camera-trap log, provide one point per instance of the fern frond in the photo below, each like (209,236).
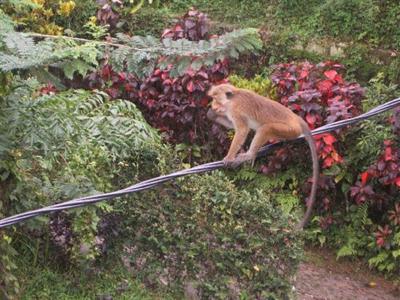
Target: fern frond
(138,55)
(23,53)
(6,23)
(144,52)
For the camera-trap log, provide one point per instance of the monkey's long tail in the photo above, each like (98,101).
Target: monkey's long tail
(310,140)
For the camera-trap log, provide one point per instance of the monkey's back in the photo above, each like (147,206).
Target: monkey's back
(264,109)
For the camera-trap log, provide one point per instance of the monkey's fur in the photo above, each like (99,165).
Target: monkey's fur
(244,110)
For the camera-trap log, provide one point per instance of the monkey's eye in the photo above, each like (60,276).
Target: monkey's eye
(229,95)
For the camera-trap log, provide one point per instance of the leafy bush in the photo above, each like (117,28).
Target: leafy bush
(175,105)
(357,214)
(112,13)
(136,55)
(59,146)
(348,18)
(259,84)
(361,20)
(365,223)
(378,189)
(320,95)
(50,16)
(213,240)
(111,280)
(192,26)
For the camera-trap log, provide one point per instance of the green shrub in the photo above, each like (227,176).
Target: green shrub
(373,21)
(56,147)
(209,236)
(259,84)
(109,279)
(347,17)
(51,16)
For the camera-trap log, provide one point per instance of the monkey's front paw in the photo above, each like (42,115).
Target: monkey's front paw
(232,163)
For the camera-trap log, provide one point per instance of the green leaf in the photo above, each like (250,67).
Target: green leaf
(6,23)
(79,66)
(182,65)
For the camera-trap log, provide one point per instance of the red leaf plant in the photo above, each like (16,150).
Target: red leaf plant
(385,171)
(320,95)
(382,235)
(48,89)
(394,215)
(176,106)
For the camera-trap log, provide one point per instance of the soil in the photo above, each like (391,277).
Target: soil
(322,277)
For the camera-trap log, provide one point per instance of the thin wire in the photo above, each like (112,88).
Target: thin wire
(150,183)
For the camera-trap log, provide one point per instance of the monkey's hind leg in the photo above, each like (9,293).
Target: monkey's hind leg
(263,134)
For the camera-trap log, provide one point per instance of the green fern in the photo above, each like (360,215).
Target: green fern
(6,23)
(142,53)
(382,261)
(23,53)
(138,55)
(288,202)
(346,250)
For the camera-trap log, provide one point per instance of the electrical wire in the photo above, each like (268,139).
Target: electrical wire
(150,183)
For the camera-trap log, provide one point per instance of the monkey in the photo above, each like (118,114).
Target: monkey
(244,110)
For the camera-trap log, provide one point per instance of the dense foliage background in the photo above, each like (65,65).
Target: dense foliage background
(88,104)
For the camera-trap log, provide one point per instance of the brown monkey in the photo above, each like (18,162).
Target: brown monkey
(244,110)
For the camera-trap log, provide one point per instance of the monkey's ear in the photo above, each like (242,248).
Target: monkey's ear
(229,95)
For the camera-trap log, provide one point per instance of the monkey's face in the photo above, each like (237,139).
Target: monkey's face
(220,95)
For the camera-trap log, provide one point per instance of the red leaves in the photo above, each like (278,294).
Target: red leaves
(329,139)
(388,154)
(325,87)
(361,193)
(190,87)
(319,94)
(180,101)
(48,89)
(385,171)
(364,177)
(303,74)
(382,235)
(192,26)
(326,149)
(334,76)
(387,168)
(311,119)
(106,14)
(176,106)
(204,102)
(394,215)
(331,74)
